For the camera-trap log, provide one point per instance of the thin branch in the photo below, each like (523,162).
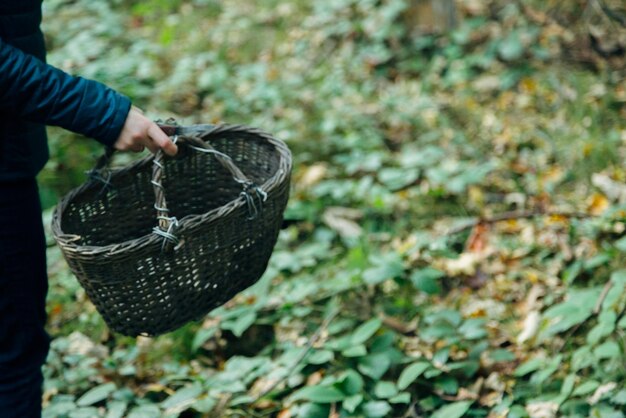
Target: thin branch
(312,340)
(596,310)
(508,216)
(410,413)
(605,291)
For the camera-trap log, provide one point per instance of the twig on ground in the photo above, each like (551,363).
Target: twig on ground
(398,325)
(410,413)
(223,402)
(605,291)
(312,340)
(508,216)
(596,310)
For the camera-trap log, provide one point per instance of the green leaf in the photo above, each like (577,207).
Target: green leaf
(356,351)
(182,396)
(238,400)
(313,410)
(614,295)
(609,349)
(402,397)
(374,365)
(411,373)
(468,176)
(116,409)
(204,405)
(453,410)
(202,336)
(441,356)
(449,316)
(396,178)
(351,382)
(604,327)
(542,375)
(376,409)
(320,357)
(84,412)
(604,411)
(145,411)
(365,331)
(619,276)
(385,390)
(619,398)
(97,394)
(566,388)
(319,394)
(59,408)
(582,358)
(352,403)
(585,388)
(473,329)
(468,367)
(339,344)
(517,411)
(501,355)
(620,244)
(432,372)
(447,384)
(577,307)
(240,324)
(382,342)
(571,273)
(438,331)
(426,280)
(597,261)
(387,266)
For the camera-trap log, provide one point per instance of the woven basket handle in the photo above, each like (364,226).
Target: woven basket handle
(194,142)
(189,136)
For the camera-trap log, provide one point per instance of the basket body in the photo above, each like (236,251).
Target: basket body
(142,287)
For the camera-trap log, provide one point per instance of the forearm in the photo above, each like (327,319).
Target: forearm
(35,91)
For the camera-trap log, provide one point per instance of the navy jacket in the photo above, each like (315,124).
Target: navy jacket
(34,94)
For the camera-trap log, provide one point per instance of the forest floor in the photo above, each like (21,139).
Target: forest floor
(455,234)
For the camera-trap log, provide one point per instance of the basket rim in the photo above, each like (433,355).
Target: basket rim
(68,242)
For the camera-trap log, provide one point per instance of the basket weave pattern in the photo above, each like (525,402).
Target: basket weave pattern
(140,285)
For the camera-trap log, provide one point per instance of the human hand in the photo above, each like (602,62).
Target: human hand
(140,132)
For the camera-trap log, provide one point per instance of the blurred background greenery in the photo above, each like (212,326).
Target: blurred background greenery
(455,237)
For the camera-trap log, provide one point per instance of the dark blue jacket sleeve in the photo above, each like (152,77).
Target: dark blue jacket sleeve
(38,92)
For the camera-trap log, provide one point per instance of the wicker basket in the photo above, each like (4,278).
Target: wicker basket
(215,232)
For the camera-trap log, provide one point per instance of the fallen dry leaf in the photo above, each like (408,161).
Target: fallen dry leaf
(614,190)
(530,327)
(478,239)
(546,409)
(597,204)
(285,413)
(312,175)
(342,220)
(600,392)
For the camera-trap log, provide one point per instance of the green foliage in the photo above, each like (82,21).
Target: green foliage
(385,296)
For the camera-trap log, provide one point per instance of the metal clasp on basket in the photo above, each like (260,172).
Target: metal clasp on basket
(96,176)
(169,234)
(248,189)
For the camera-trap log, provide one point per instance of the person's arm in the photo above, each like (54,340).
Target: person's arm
(36,91)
